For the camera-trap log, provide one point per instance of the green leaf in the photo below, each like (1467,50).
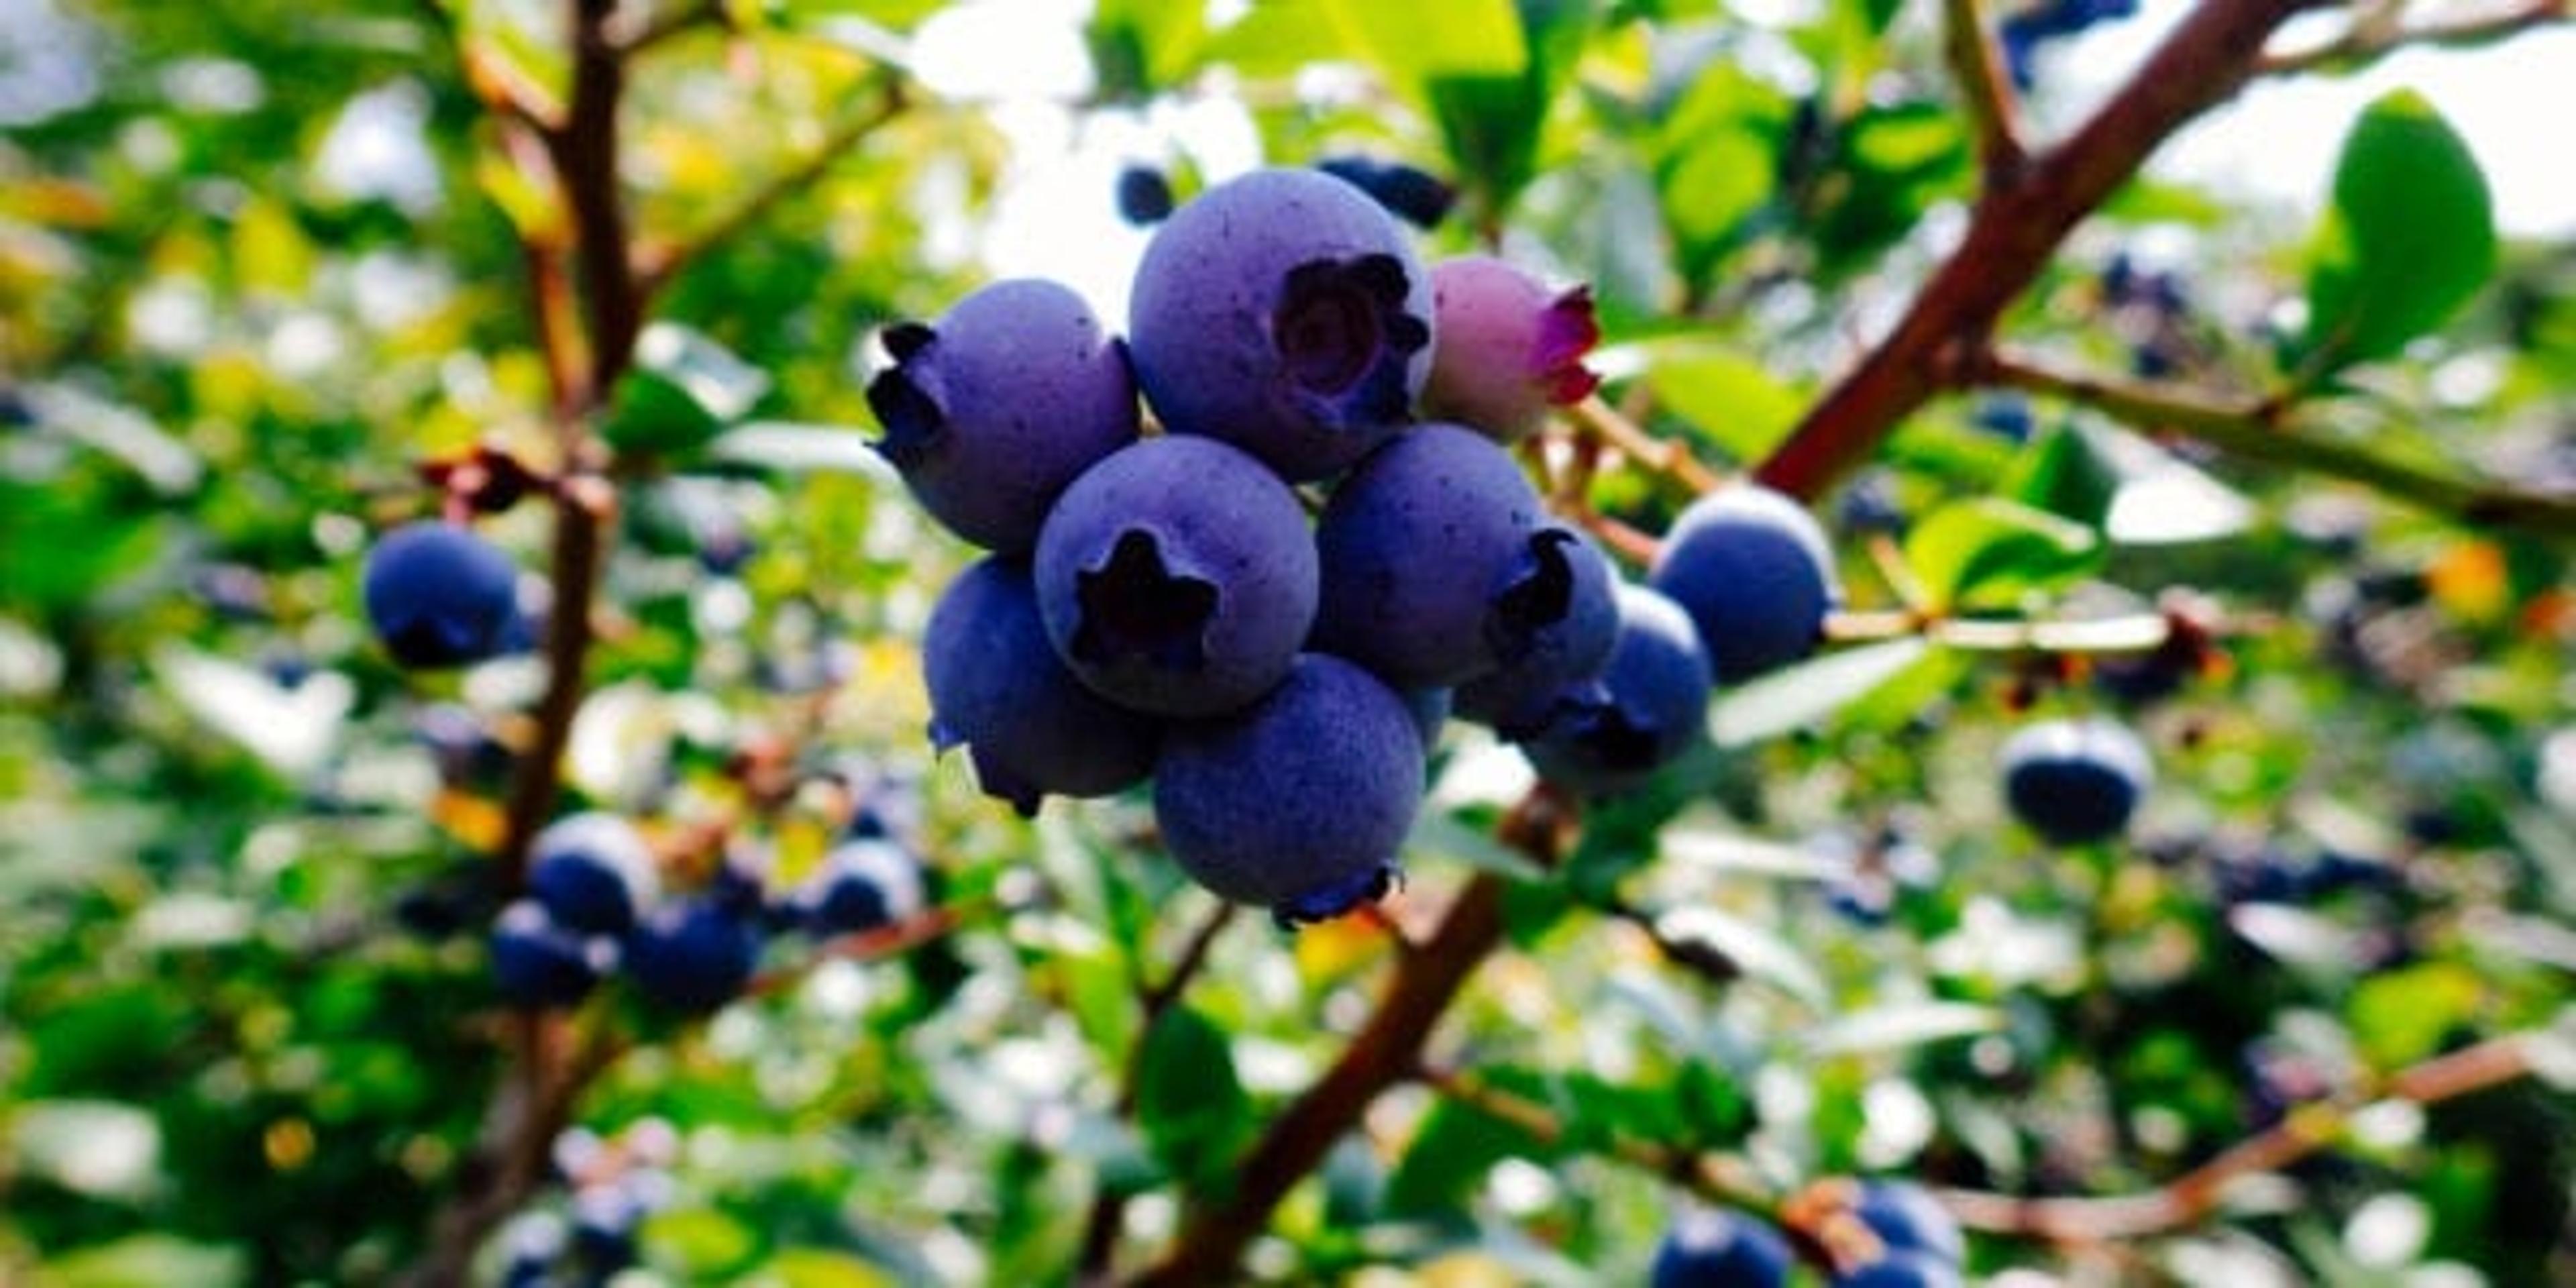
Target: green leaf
(1457,1144)
(700,1242)
(1728,396)
(2402,1016)
(1990,552)
(2061,473)
(146,1261)
(1140,46)
(683,388)
(793,448)
(1716,158)
(1417,44)
(2410,238)
(818,1268)
(1188,1099)
(1892,1028)
(1801,695)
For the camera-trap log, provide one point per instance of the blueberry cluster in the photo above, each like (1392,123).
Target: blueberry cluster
(611,1186)
(1163,606)
(596,905)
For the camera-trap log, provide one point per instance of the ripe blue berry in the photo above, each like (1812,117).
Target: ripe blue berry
(1299,802)
(992,410)
(440,596)
(862,885)
(1177,577)
(593,872)
(1429,576)
(1510,347)
(998,688)
(1713,1248)
(1907,1218)
(1283,312)
(692,955)
(1144,195)
(1577,595)
(1752,569)
(538,963)
(1415,196)
(1650,708)
(2075,781)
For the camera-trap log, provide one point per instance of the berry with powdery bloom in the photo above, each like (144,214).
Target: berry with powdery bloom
(991,411)
(1752,568)
(440,596)
(998,688)
(1647,709)
(1299,802)
(1510,347)
(1178,577)
(1283,312)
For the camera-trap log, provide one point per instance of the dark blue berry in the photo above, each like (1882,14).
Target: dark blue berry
(1416,196)
(1713,1248)
(537,963)
(861,886)
(593,872)
(999,689)
(1649,706)
(1570,594)
(1144,195)
(2075,781)
(440,596)
(693,955)
(1752,569)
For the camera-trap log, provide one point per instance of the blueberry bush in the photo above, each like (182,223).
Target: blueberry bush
(1572,641)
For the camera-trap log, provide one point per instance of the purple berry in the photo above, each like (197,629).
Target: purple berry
(1577,604)
(1650,707)
(1431,572)
(593,872)
(1752,569)
(1907,1218)
(1177,577)
(1283,312)
(862,885)
(1144,195)
(1510,347)
(440,596)
(1714,1248)
(991,411)
(1299,802)
(2075,781)
(693,955)
(537,963)
(998,688)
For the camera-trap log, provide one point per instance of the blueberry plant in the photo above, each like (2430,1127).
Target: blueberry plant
(1637,642)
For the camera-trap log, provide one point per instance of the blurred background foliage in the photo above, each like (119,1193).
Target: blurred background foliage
(258,260)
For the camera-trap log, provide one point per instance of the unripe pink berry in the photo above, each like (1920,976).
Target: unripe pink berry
(1509,346)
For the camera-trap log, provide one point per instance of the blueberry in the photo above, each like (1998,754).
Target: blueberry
(1413,195)
(1571,648)
(1713,1248)
(1177,577)
(861,885)
(1510,347)
(1752,569)
(440,596)
(1429,576)
(992,410)
(998,688)
(2075,781)
(1283,312)
(692,955)
(593,872)
(1299,802)
(1650,705)
(1144,195)
(604,1222)
(537,963)
(1907,1218)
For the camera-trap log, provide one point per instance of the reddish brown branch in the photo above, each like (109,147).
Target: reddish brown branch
(1386,1051)
(2014,229)
(2197,1194)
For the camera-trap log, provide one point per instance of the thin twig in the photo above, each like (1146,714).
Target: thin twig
(1668,457)
(2361,46)
(2264,430)
(1969,45)
(659,263)
(1715,1177)
(2197,1194)
(2014,230)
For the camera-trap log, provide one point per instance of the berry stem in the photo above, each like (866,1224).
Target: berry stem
(2198,1194)
(2262,429)
(1668,457)
(1984,93)
(2366,42)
